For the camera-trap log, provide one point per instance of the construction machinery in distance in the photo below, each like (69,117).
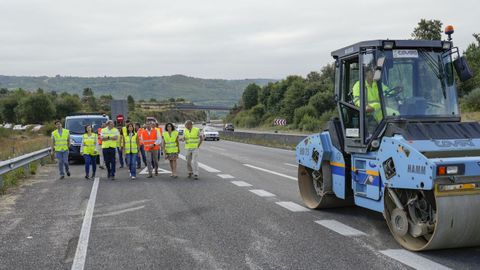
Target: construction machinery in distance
(399,146)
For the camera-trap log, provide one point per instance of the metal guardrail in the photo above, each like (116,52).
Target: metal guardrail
(22,161)
(281,139)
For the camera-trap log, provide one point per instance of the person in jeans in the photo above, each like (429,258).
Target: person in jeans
(193,139)
(139,131)
(109,145)
(151,141)
(60,141)
(99,145)
(171,147)
(119,145)
(89,151)
(131,148)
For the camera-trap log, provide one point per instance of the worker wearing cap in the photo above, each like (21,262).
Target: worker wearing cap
(110,137)
(372,94)
(60,141)
(151,140)
(193,139)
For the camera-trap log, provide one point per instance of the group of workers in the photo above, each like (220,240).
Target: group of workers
(147,144)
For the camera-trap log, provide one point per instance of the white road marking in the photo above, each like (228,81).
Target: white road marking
(272,172)
(340,228)
(114,213)
(291,165)
(262,193)
(225,176)
(293,206)
(413,260)
(241,183)
(160,170)
(203,166)
(81,253)
(218,148)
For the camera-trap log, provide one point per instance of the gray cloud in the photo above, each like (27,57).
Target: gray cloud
(208,39)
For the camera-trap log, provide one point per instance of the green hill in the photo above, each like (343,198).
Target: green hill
(200,91)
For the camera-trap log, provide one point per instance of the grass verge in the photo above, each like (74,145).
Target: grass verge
(14,178)
(258,142)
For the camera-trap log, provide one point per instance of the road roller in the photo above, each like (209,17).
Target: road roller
(399,146)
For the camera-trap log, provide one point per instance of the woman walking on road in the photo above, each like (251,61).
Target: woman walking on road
(89,151)
(171,146)
(131,146)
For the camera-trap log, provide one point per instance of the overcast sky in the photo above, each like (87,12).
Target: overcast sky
(205,38)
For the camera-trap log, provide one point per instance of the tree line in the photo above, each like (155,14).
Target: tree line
(308,103)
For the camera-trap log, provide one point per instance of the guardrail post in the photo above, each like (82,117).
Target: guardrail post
(26,169)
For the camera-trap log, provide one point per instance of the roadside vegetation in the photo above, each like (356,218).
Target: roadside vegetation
(308,103)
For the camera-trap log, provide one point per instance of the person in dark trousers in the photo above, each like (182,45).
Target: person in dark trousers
(123,134)
(60,140)
(110,137)
(89,151)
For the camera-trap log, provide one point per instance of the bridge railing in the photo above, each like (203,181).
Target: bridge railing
(22,161)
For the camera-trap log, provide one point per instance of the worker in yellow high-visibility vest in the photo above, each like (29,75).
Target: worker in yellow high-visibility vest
(60,142)
(131,147)
(171,147)
(109,145)
(89,151)
(193,139)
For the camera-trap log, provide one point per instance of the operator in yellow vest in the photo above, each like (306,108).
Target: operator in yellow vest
(193,139)
(60,142)
(171,147)
(373,107)
(131,147)
(89,151)
(110,137)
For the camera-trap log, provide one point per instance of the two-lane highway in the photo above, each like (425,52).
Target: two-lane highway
(245,212)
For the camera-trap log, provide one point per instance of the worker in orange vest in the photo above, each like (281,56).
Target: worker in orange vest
(99,145)
(139,131)
(151,140)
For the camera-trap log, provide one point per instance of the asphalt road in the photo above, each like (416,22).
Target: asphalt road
(245,212)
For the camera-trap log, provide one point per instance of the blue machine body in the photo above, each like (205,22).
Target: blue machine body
(368,176)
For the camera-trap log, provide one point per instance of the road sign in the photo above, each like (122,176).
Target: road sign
(280,122)
(119,107)
(120,118)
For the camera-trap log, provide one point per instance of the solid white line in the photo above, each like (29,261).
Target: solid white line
(241,183)
(203,166)
(225,176)
(340,228)
(272,172)
(262,193)
(293,206)
(291,165)
(81,253)
(413,260)
(218,148)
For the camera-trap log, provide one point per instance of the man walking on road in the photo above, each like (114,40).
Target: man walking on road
(99,145)
(193,140)
(110,137)
(60,140)
(151,140)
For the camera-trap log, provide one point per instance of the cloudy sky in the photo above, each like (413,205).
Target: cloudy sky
(207,39)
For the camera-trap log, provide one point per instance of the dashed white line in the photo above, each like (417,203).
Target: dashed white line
(114,213)
(262,193)
(218,148)
(340,228)
(241,183)
(225,176)
(272,172)
(293,206)
(413,260)
(291,165)
(203,166)
(160,170)
(81,253)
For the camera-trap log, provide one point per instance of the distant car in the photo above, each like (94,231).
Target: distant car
(229,127)
(8,125)
(76,125)
(211,134)
(180,129)
(36,128)
(151,119)
(19,127)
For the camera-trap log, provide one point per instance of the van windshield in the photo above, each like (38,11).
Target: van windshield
(77,125)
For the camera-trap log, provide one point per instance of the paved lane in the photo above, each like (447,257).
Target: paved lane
(237,218)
